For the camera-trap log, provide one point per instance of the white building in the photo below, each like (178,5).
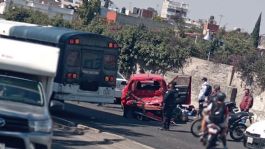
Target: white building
(71,3)
(173,9)
(47,8)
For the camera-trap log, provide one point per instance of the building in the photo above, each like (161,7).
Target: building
(71,3)
(123,19)
(49,7)
(172,9)
(144,13)
(211,26)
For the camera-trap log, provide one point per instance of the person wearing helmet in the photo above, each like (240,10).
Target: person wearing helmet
(217,113)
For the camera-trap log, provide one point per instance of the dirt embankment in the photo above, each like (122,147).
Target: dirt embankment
(223,75)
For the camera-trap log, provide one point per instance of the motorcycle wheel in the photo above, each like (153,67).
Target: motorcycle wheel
(237,133)
(211,142)
(195,128)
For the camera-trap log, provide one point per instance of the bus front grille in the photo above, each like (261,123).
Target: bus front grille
(89,86)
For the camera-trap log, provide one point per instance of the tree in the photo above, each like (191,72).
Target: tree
(16,14)
(163,51)
(58,21)
(88,10)
(26,15)
(260,71)
(255,32)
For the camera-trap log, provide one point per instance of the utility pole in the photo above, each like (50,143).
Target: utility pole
(221,16)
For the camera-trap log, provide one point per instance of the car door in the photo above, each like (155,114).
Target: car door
(184,88)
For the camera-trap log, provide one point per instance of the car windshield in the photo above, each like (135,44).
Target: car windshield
(147,85)
(20,90)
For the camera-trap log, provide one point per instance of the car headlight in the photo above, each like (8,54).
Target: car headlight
(41,126)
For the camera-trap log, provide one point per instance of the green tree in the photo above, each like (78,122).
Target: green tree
(58,21)
(16,14)
(88,10)
(98,25)
(26,15)
(163,51)
(37,17)
(127,38)
(255,32)
(260,71)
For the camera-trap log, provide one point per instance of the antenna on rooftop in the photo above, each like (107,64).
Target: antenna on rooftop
(130,6)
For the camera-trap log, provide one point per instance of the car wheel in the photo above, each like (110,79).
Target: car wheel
(127,112)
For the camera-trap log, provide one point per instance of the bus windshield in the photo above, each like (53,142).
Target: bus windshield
(20,90)
(110,62)
(91,60)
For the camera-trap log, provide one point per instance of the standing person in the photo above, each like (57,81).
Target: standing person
(247,101)
(169,104)
(204,93)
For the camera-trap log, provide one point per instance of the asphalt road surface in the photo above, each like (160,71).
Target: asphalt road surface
(109,118)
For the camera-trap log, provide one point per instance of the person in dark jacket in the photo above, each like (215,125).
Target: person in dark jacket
(169,104)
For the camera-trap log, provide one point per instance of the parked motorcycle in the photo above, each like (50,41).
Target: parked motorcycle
(180,114)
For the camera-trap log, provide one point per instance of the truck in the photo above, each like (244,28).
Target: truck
(27,72)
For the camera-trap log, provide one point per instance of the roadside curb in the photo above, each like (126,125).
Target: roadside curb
(83,127)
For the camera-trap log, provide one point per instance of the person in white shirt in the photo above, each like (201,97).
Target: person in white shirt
(202,98)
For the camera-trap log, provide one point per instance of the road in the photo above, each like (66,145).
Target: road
(109,118)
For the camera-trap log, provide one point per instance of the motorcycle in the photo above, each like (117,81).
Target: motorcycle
(196,124)
(212,135)
(236,125)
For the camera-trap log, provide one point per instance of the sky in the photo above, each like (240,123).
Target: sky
(230,13)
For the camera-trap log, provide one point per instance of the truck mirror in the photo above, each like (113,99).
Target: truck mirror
(55,104)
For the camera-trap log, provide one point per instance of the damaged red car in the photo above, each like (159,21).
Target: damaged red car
(142,97)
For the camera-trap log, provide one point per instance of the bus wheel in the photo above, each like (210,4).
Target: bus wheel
(117,100)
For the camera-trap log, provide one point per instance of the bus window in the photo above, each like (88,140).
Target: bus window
(72,59)
(109,62)
(91,60)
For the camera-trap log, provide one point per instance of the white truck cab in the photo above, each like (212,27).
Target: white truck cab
(27,71)
(255,136)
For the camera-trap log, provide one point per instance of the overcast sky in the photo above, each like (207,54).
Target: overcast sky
(236,13)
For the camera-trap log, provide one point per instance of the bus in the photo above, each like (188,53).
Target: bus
(87,66)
